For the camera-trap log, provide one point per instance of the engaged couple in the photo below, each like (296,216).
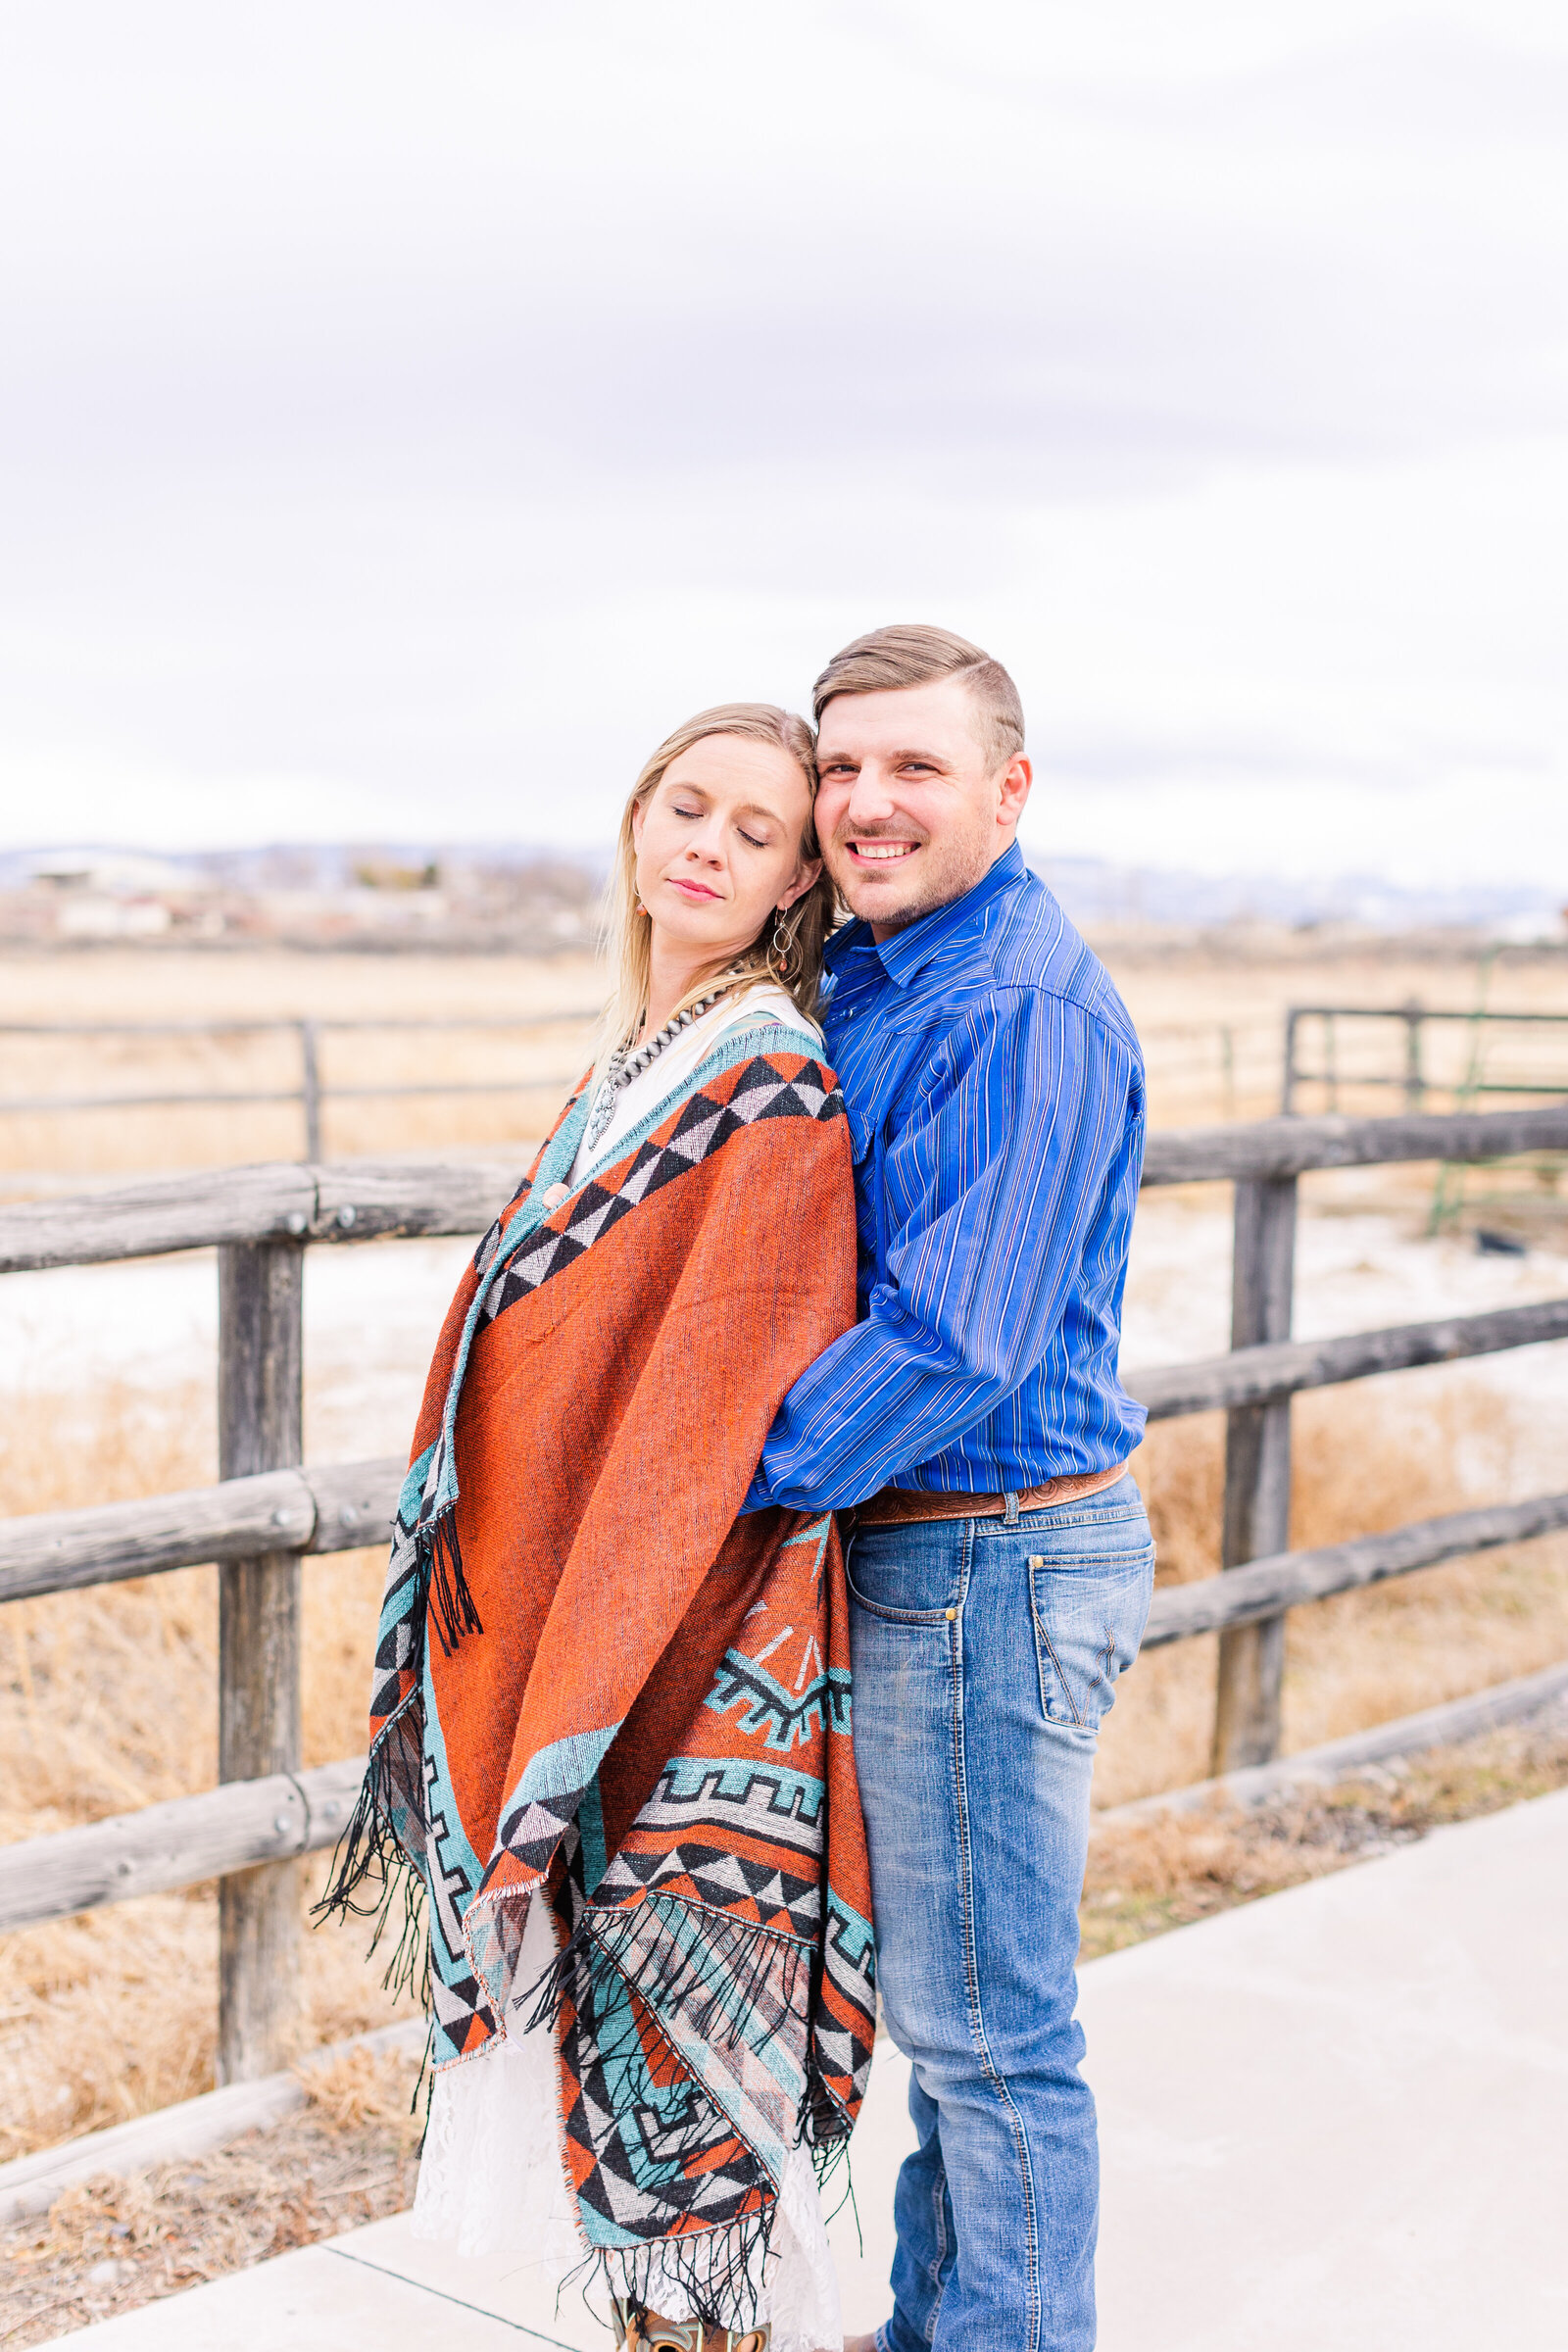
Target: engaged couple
(767,1557)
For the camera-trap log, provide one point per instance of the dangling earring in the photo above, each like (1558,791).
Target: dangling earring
(638,908)
(783,947)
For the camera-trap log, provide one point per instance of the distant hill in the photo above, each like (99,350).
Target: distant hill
(1095,891)
(496,887)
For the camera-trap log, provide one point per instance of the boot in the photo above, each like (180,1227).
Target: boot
(644,2331)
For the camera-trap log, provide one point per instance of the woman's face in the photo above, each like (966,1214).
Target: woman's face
(718,843)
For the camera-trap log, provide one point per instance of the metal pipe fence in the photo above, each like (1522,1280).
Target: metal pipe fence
(268,1511)
(1413,1078)
(1466,1084)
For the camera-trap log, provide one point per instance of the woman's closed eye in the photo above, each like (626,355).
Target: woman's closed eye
(694,811)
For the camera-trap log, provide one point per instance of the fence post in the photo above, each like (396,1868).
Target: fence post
(1257,1474)
(259,1297)
(1414,1082)
(1288,1088)
(311,1091)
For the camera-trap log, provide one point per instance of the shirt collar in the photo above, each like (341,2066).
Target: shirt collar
(905,954)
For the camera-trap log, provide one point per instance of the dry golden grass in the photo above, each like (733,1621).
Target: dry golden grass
(113,2244)
(533,1065)
(1167,1869)
(1203,988)
(1365,1458)
(107,1702)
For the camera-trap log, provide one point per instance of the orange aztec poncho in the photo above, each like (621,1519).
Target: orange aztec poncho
(636,1704)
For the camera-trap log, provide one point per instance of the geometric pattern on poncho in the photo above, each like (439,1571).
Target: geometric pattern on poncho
(692,1945)
(683,2047)
(704,1128)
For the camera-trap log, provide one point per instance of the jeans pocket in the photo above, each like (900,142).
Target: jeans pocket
(911,1575)
(1089,1615)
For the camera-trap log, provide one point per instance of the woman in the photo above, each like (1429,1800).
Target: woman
(621,1770)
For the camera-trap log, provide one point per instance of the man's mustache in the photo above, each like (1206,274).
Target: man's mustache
(846,833)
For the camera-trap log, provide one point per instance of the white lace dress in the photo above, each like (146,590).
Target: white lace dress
(492,2179)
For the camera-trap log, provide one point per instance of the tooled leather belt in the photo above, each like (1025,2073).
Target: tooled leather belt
(901,1506)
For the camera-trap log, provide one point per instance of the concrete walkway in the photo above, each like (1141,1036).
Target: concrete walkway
(1336,2117)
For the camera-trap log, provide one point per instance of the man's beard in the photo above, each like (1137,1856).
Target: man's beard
(944,879)
(925,904)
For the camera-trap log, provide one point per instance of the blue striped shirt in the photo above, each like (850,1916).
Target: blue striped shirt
(995,1090)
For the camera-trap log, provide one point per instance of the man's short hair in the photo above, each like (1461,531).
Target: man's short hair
(908,654)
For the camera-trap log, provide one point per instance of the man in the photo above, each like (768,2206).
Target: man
(999,1560)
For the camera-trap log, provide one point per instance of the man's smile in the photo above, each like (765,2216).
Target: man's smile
(881,851)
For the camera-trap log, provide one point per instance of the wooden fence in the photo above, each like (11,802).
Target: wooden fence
(1215,1056)
(268,1510)
(314,1091)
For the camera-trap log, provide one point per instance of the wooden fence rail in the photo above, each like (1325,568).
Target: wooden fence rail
(371,1199)
(1265,1149)
(163,1847)
(1260,1592)
(336,1510)
(278,1201)
(1264,1374)
(191,1839)
(268,1511)
(350,1504)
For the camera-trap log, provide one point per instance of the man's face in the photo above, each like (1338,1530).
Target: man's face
(912,808)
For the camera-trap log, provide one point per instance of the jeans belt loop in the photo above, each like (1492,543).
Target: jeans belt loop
(1011,1501)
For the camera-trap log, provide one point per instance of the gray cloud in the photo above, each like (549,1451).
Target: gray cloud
(384,386)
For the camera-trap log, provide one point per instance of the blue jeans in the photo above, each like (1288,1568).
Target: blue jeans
(985,1654)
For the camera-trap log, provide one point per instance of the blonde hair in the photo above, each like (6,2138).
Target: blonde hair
(629,932)
(909,654)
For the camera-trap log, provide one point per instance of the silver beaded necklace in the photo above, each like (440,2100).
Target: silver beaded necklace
(624,1065)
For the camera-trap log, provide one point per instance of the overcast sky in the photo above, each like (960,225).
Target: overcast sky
(409,413)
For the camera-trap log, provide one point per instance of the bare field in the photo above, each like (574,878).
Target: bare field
(1212,1027)
(107,1698)
(534,1066)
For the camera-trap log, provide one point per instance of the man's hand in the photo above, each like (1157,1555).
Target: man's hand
(860,2343)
